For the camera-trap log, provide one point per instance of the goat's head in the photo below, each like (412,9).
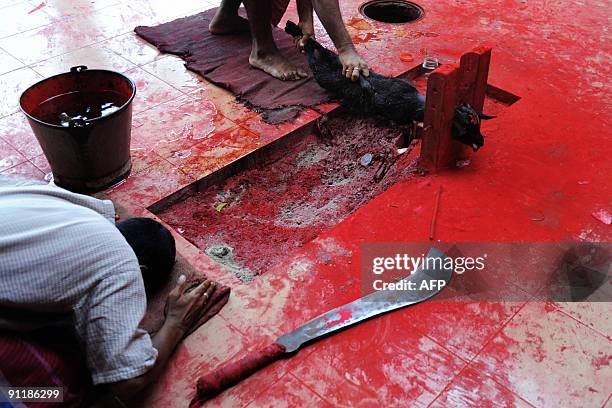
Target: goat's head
(466,126)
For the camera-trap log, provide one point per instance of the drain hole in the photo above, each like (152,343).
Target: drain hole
(392,11)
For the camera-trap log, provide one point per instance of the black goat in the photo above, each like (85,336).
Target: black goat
(392,98)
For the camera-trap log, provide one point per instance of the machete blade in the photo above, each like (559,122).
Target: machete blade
(373,304)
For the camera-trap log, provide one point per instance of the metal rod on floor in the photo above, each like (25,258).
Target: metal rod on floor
(432,228)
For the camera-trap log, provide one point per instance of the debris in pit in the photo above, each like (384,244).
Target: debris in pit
(366,159)
(313,154)
(224,256)
(291,199)
(382,170)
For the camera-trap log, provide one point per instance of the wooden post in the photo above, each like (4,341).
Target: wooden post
(474,68)
(437,146)
(449,86)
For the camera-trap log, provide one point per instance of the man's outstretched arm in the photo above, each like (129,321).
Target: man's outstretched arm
(329,14)
(184,310)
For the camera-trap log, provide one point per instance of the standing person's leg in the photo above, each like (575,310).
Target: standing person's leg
(264,54)
(227,19)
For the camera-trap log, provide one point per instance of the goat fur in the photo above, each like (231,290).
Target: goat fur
(393,98)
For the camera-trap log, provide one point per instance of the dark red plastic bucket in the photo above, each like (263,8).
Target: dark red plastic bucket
(85,154)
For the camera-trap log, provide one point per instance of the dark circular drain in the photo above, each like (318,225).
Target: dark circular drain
(392,11)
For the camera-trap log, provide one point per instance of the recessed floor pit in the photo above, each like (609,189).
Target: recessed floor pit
(250,216)
(392,11)
(252,213)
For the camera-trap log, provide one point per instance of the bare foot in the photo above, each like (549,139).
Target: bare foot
(228,23)
(276,65)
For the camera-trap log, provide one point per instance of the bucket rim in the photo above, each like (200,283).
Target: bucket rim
(118,111)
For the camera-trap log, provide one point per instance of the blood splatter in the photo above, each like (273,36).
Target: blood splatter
(344,314)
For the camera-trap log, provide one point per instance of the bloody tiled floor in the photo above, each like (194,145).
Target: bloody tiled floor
(544,170)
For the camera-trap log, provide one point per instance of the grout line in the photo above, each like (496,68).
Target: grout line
(9,114)
(606,401)
(30,65)
(470,364)
(68,19)
(122,57)
(267,388)
(487,376)
(155,104)
(504,324)
(17,108)
(16,69)
(37,72)
(560,310)
(29,177)
(470,361)
(55,20)
(23,158)
(188,94)
(230,359)
(502,327)
(32,161)
(29,29)
(508,389)
(23,64)
(453,378)
(289,372)
(36,167)
(447,386)
(152,73)
(11,55)
(43,9)
(13,3)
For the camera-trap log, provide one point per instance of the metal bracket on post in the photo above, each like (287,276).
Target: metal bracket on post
(449,86)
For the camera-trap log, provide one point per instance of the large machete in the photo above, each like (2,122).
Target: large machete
(374,304)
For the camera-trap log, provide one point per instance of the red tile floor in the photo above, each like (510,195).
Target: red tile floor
(544,170)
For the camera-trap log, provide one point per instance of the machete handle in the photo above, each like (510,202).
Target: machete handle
(215,382)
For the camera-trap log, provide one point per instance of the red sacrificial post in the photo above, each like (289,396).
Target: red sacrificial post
(448,86)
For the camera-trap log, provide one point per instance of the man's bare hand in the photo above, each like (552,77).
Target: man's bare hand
(185,305)
(352,64)
(183,309)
